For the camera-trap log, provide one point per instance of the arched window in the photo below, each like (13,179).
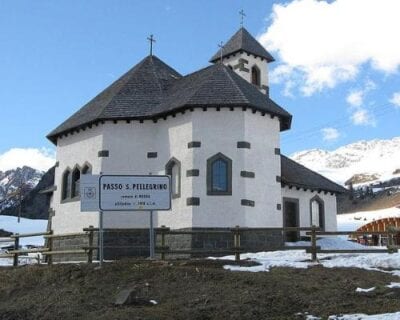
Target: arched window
(255,76)
(86,169)
(317,212)
(75,186)
(173,169)
(66,185)
(219,175)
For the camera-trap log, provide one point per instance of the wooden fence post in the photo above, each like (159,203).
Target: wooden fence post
(163,229)
(236,243)
(390,241)
(313,243)
(16,247)
(50,247)
(90,249)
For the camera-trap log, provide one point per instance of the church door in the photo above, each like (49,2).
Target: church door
(291,218)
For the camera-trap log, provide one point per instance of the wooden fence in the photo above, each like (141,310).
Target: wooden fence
(236,233)
(48,251)
(236,249)
(314,233)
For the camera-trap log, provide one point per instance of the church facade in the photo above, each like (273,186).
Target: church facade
(216,132)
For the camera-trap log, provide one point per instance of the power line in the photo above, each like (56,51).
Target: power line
(378,111)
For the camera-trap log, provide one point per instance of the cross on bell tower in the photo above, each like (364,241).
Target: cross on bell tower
(221,49)
(151,40)
(242,15)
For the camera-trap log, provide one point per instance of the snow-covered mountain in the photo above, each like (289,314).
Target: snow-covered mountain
(374,160)
(12,180)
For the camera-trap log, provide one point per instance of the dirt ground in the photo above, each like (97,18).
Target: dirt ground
(199,289)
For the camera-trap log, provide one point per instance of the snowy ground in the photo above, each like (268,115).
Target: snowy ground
(301,259)
(11,224)
(353,221)
(385,316)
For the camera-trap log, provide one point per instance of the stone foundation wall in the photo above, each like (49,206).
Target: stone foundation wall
(73,243)
(126,243)
(250,241)
(120,243)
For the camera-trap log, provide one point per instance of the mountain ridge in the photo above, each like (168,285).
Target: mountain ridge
(12,181)
(373,158)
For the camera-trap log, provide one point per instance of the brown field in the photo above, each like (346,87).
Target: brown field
(197,289)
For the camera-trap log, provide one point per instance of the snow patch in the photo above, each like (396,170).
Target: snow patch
(302,260)
(365,290)
(393,285)
(353,221)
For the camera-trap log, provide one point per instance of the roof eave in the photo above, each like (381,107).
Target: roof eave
(217,57)
(285,182)
(285,121)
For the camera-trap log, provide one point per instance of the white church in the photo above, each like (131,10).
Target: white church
(215,131)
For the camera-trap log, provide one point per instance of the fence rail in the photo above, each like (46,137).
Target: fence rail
(314,233)
(236,233)
(48,251)
(236,249)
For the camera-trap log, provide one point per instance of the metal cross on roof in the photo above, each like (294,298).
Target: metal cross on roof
(242,14)
(221,45)
(151,40)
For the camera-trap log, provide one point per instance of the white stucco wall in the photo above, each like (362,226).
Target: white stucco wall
(218,131)
(264,135)
(76,149)
(304,198)
(128,145)
(252,60)
(224,129)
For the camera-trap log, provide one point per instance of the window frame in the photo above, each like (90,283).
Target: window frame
(255,70)
(210,162)
(66,185)
(321,211)
(75,192)
(168,171)
(86,168)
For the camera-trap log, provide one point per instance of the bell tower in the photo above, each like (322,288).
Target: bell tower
(247,57)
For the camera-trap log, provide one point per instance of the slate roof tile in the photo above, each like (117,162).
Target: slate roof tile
(294,174)
(153,89)
(242,40)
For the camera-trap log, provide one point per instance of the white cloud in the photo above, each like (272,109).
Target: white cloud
(396,99)
(40,159)
(322,43)
(330,134)
(360,115)
(355,98)
(363,117)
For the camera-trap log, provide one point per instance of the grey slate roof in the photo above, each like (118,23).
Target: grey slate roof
(136,93)
(242,40)
(294,174)
(153,90)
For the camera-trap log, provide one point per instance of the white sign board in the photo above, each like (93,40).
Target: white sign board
(130,193)
(89,190)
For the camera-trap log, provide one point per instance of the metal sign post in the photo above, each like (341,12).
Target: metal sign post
(101,239)
(152,250)
(151,233)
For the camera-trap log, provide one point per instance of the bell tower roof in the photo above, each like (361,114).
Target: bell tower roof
(242,40)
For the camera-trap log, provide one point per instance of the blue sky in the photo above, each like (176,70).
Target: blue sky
(336,77)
